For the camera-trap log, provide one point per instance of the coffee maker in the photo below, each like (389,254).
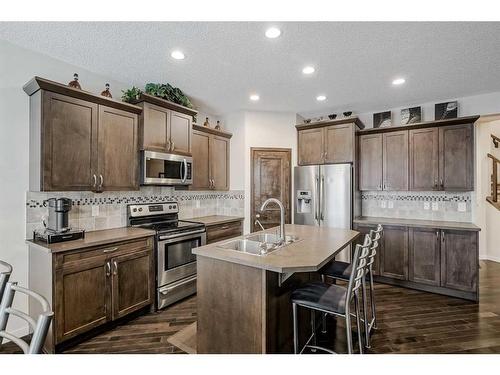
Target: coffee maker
(57,228)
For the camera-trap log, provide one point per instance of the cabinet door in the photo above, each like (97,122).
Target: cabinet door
(82,297)
(425,260)
(219,160)
(180,133)
(424,159)
(395,160)
(370,162)
(459,260)
(69,137)
(310,144)
(339,143)
(201,160)
(132,283)
(220,232)
(118,150)
(155,122)
(456,159)
(364,229)
(394,254)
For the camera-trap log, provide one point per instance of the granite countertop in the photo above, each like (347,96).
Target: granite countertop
(417,223)
(316,247)
(215,219)
(94,238)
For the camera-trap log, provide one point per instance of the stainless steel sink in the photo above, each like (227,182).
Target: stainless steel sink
(271,238)
(246,246)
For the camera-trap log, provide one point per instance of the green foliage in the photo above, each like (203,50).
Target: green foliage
(131,94)
(168,92)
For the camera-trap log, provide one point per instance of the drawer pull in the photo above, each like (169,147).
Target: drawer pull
(225,227)
(110,249)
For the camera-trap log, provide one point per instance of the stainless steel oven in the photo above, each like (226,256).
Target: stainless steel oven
(166,169)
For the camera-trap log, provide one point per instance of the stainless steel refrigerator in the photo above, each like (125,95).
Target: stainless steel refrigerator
(324,197)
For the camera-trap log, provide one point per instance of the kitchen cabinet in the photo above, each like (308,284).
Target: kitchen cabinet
(394,253)
(395,160)
(370,162)
(224,231)
(424,256)
(80,141)
(327,142)
(424,159)
(165,126)
(210,159)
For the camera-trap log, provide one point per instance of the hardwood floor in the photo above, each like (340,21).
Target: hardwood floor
(409,321)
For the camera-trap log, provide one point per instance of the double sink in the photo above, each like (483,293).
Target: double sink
(259,244)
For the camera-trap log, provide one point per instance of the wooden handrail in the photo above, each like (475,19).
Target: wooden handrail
(494,178)
(496,140)
(494,158)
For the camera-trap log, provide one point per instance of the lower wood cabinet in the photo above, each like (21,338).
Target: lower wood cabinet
(225,231)
(425,261)
(394,253)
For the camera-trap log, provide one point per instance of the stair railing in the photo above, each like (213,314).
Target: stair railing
(494,178)
(496,140)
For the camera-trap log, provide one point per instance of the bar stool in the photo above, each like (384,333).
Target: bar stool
(5,272)
(333,300)
(40,327)
(342,271)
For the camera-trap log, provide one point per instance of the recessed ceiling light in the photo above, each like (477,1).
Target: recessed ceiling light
(308,70)
(321,98)
(254,97)
(273,32)
(178,55)
(398,81)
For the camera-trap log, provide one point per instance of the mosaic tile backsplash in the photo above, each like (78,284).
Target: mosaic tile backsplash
(112,206)
(443,206)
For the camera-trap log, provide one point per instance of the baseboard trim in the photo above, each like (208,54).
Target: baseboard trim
(489,257)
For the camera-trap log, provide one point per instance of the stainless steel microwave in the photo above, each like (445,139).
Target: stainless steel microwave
(159,168)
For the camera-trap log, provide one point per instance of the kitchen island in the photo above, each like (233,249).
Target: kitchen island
(244,299)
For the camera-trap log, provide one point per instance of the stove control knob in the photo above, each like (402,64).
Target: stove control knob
(134,210)
(169,207)
(140,209)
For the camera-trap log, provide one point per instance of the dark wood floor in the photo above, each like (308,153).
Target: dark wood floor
(408,322)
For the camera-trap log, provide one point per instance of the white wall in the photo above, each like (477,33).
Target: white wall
(257,129)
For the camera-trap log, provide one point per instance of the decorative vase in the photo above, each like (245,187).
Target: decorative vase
(333,116)
(206,123)
(75,83)
(348,113)
(217,127)
(106,92)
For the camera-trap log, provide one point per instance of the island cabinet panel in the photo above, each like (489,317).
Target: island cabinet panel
(459,260)
(370,162)
(394,253)
(424,256)
(339,143)
(424,159)
(118,150)
(180,132)
(395,160)
(456,160)
(154,124)
(68,143)
(201,160)
(310,146)
(219,156)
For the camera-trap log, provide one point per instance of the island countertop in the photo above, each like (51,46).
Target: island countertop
(316,247)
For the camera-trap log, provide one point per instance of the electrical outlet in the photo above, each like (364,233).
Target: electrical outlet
(427,206)
(383,204)
(435,206)
(462,207)
(198,204)
(390,204)
(95,210)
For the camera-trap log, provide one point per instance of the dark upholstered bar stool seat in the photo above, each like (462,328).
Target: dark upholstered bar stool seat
(337,269)
(321,296)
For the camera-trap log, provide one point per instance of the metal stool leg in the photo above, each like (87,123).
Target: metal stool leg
(372,300)
(365,313)
(295,330)
(358,322)
(348,331)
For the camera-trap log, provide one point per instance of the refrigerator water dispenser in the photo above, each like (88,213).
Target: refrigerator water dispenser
(304,201)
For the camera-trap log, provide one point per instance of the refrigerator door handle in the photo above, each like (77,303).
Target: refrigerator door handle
(322,198)
(316,204)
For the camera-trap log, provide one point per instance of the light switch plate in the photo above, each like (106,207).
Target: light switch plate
(383,204)
(390,204)
(462,207)
(435,206)
(95,210)
(427,206)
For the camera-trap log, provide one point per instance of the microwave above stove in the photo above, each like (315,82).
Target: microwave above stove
(158,168)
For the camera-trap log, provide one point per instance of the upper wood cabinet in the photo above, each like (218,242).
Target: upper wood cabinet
(370,162)
(395,161)
(424,159)
(165,126)
(211,150)
(80,141)
(327,142)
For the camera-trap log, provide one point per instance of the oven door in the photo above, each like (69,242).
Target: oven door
(166,169)
(175,258)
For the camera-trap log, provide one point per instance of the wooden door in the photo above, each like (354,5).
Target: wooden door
(459,260)
(424,159)
(395,160)
(82,297)
(219,162)
(180,133)
(201,160)
(365,229)
(132,282)
(394,255)
(69,140)
(456,159)
(370,162)
(424,256)
(271,178)
(118,163)
(155,123)
(339,143)
(310,146)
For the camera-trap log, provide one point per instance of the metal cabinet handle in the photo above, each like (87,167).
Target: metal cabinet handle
(442,183)
(168,144)
(435,184)
(110,249)
(173,146)
(101,181)
(95,181)
(115,265)
(108,269)
(437,235)
(442,237)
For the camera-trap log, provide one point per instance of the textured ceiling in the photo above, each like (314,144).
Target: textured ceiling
(226,61)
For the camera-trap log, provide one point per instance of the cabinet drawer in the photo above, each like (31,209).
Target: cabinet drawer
(73,258)
(224,231)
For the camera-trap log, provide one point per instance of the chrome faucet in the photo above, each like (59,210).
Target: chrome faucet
(282,216)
